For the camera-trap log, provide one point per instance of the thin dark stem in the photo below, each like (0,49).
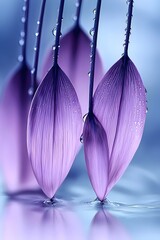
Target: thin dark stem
(78,12)
(128,29)
(25,30)
(58,31)
(37,47)
(93,54)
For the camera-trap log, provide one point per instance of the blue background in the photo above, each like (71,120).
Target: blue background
(140,185)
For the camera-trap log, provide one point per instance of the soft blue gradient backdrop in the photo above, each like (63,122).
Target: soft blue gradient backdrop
(141,182)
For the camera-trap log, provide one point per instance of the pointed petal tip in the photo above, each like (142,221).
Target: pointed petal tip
(96,155)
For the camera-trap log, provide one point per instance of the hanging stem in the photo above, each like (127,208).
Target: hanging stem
(128,29)
(93,54)
(78,12)
(57,31)
(37,48)
(24,34)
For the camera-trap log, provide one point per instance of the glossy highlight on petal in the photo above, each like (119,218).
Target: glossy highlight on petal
(54,129)
(120,105)
(74,59)
(14,107)
(96,155)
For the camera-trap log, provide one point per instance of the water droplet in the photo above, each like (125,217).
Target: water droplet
(85,116)
(54,48)
(75,18)
(23,19)
(24,8)
(20,58)
(94,11)
(35,49)
(147,110)
(54,31)
(33,71)
(81,138)
(36,34)
(22,33)
(21,42)
(77,4)
(30,91)
(38,22)
(91,32)
(89,73)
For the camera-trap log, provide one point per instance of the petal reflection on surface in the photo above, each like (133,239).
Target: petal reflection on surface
(106,227)
(23,222)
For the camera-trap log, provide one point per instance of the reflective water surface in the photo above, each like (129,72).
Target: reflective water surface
(77,216)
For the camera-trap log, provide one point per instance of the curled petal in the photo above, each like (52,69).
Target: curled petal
(120,105)
(54,127)
(74,59)
(14,107)
(96,155)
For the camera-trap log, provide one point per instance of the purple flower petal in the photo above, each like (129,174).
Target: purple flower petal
(54,129)
(120,105)
(96,155)
(14,107)
(74,59)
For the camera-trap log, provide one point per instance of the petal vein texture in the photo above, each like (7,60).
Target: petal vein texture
(74,59)
(54,129)
(120,105)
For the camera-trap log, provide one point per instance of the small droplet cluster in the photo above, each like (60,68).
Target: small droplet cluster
(22,33)
(55,32)
(91,32)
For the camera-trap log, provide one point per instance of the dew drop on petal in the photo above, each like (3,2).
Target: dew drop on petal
(81,138)
(89,73)
(91,32)
(38,22)
(36,34)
